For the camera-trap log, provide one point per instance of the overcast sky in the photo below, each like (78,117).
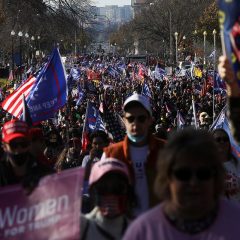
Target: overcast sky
(102,3)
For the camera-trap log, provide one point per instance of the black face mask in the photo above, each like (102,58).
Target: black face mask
(20,158)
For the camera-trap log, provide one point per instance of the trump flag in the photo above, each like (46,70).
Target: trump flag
(45,93)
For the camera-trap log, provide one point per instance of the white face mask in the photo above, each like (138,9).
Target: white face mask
(136,139)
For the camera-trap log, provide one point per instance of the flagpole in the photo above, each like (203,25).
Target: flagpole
(177,120)
(214,70)
(194,112)
(85,121)
(67,122)
(75,43)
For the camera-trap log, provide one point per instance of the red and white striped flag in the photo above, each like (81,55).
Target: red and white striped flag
(13,103)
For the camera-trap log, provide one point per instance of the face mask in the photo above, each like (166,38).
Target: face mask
(112,206)
(20,158)
(136,139)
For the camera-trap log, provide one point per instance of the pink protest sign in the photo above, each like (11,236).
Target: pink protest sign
(51,212)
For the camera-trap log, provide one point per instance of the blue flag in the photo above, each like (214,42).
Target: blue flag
(75,73)
(81,95)
(219,83)
(112,71)
(49,92)
(146,90)
(159,73)
(26,117)
(93,119)
(222,122)
(229,18)
(93,122)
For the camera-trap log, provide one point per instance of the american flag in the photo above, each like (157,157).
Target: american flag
(113,125)
(13,103)
(45,92)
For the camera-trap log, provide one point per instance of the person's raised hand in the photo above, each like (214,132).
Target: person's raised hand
(226,73)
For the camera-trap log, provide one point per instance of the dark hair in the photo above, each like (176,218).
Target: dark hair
(100,134)
(192,144)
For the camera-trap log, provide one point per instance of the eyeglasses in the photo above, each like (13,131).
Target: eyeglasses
(15,145)
(186,174)
(222,139)
(140,119)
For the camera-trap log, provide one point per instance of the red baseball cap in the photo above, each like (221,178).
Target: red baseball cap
(14,129)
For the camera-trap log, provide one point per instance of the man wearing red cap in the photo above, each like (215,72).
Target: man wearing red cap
(18,165)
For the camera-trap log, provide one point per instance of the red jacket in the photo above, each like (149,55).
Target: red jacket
(121,152)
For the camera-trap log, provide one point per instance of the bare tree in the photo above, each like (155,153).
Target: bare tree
(159,20)
(51,20)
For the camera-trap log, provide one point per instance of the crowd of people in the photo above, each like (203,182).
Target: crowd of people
(154,171)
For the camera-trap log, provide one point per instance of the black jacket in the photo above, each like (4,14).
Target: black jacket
(34,172)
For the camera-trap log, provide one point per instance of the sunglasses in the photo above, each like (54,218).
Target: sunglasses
(15,145)
(186,174)
(222,139)
(140,119)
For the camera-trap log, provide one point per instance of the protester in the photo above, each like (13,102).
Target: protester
(38,146)
(231,164)
(190,183)
(70,156)
(117,82)
(98,140)
(112,195)
(54,145)
(204,120)
(139,149)
(18,165)
(160,132)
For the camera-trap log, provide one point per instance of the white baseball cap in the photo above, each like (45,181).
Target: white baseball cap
(144,101)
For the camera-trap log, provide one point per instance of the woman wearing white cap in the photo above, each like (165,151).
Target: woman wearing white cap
(110,189)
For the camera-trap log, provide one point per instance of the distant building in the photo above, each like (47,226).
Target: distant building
(138,5)
(115,14)
(102,11)
(112,12)
(95,10)
(125,13)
